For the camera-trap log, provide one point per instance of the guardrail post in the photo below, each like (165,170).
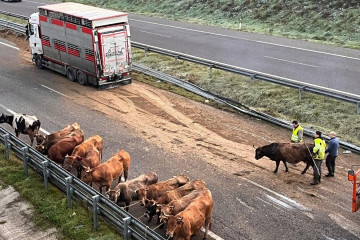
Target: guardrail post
(127,231)
(358,108)
(175,59)
(95,211)
(210,71)
(252,77)
(69,190)
(300,91)
(24,151)
(45,164)
(7,145)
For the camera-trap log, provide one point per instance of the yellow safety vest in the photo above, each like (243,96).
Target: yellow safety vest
(294,137)
(319,149)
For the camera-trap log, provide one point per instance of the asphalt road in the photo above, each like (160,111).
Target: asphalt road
(323,65)
(245,208)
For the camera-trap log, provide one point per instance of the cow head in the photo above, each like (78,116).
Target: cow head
(41,148)
(113,195)
(150,208)
(142,192)
(40,139)
(183,179)
(167,209)
(69,161)
(87,175)
(258,153)
(174,224)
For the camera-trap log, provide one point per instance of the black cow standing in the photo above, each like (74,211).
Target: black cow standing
(22,123)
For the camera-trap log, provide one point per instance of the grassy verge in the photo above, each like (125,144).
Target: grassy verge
(50,206)
(13,19)
(335,22)
(315,111)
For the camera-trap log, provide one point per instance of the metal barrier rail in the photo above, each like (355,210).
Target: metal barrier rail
(14,15)
(235,105)
(230,103)
(16,27)
(129,226)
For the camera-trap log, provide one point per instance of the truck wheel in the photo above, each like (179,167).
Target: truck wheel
(70,74)
(81,77)
(38,62)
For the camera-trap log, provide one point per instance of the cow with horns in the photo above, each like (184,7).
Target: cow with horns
(22,123)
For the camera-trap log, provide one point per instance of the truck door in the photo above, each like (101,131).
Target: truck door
(114,50)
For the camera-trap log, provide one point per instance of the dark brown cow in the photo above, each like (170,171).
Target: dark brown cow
(81,151)
(287,152)
(179,205)
(188,222)
(126,191)
(154,206)
(156,190)
(65,146)
(46,142)
(104,174)
(91,160)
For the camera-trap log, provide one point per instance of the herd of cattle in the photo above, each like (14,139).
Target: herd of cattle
(183,205)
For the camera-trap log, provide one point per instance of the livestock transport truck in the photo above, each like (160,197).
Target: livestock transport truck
(87,44)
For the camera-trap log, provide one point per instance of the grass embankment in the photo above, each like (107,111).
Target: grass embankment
(13,19)
(320,113)
(50,209)
(335,21)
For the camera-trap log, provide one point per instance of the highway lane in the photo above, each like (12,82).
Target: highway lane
(244,208)
(323,65)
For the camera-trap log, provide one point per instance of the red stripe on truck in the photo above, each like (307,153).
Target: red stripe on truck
(86,30)
(43,18)
(60,47)
(90,58)
(57,22)
(70,26)
(74,52)
(45,42)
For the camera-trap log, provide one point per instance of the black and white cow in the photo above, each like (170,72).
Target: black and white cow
(22,123)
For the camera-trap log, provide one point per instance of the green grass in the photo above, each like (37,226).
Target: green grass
(335,22)
(13,19)
(319,112)
(50,209)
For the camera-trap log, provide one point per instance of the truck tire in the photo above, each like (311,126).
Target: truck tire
(70,74)
(38,62)
(81,77)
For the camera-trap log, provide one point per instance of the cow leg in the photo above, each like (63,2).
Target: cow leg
(79,169)
(286,167)
(17,134)
(277,166)
(31,135)
(306,168)
(127,206)
(126,172)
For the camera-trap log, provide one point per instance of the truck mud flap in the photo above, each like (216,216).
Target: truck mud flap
(109,85)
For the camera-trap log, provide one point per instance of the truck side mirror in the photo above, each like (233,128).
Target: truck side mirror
(351,175)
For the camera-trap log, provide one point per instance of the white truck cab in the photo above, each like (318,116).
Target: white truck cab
(34,35)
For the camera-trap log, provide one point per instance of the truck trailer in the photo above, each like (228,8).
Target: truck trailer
(88,44)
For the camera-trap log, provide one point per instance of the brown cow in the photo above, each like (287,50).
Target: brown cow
(179,205)
(188,222)
(65,146)
(287,152)
(154,206)
(126,191)
(104,174)
(46,142)
(91,160)
(81,151)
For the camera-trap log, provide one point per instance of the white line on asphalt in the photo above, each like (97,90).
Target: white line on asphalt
(157,34)
(55,91)
(283,60)
(211,234)
(279,202)
(12,112)
(289,200)
(8,45)
(250,40)
(244,203)
(33,2)
(270,204)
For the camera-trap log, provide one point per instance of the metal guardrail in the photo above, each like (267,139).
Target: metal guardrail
(230,103)
(306,87)
(233,104)
(14,15)
(16,27)
(129,226)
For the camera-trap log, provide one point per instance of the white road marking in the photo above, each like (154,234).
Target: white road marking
(283,60)
(270,204)
(267,74)
(250,40)
(8,45)
(289,200)
(279,202)
(213,235)
(157,34)
(244,203)
(33,2)
(55,91)
(12,112)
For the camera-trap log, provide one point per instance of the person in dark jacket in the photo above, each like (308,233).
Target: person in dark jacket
(333,153)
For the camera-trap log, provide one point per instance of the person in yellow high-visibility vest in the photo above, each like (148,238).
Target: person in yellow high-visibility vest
(318,156)
(297,133)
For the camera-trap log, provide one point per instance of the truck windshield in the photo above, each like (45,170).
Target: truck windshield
(31,29)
